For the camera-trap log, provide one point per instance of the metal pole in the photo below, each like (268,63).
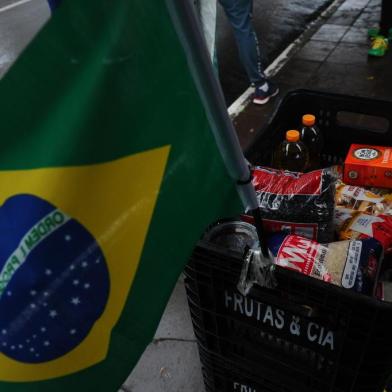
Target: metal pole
(190,33)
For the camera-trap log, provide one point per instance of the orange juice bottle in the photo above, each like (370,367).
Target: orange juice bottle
(291,154)
(313,139)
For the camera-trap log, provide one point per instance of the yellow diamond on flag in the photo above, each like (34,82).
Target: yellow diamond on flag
(112,203)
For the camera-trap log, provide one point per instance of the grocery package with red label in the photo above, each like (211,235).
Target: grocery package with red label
(362,225)
(349,264)
(297,203)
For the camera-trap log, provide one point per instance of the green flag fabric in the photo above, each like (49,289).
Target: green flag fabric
(109,173)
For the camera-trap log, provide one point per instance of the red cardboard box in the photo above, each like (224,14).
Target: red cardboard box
(368,165)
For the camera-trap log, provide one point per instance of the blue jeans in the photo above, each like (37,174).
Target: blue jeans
(239,13)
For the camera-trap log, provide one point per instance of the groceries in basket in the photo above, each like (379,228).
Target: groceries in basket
(291,154)
(297,203)
(374,202)
(349,264)
(367,165)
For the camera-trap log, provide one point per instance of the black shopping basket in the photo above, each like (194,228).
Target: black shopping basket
(305,335)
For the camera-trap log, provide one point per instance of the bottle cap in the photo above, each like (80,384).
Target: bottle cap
(292,136)
(308,120)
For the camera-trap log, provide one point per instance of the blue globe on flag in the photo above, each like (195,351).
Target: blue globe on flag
(54,280)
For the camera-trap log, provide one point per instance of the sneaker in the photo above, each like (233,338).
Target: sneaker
(379,46)
(261,97)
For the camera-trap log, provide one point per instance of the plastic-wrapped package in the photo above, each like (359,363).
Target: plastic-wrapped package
(297,203)
(362,225)
(350,264)
(374,201)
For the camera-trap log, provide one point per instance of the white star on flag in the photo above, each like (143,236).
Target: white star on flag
(75,301)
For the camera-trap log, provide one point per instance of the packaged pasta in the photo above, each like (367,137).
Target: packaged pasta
(349,264)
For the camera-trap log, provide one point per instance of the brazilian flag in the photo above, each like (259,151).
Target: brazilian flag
(109,173)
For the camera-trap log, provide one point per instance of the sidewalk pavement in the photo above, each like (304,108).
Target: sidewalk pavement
(334,59)
(171,362)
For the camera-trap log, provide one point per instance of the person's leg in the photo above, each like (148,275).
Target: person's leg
(239,13)
(386,18)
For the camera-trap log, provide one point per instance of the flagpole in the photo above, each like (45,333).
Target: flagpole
(190,33)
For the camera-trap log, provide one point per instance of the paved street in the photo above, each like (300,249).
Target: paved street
(17,26)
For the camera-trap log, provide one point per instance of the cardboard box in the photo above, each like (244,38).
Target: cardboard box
(368,165)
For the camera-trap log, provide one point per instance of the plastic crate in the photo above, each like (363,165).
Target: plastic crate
(343,119)
(305,335)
